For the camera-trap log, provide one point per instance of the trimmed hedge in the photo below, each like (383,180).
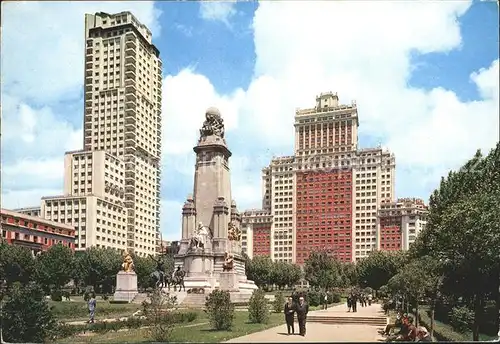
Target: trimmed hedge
(315,298)
(65,330)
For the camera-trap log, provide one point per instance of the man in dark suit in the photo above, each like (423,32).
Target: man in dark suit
(302,308)
(289,315)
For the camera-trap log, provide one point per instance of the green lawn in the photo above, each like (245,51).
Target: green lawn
(197,331)
(77,310)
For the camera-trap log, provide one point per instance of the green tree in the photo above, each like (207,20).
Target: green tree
(323,271)
(55,267)
(99,267)
(464,228)
(143,268)
(16,264)
(294,275)
(411,281)
(260,270)
(378,268)
(26,317)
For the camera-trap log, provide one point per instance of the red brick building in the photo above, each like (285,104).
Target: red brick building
(256,233)
(35,233)
(324,213)
(400,222)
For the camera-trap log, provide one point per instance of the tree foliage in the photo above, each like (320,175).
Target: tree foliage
(98,267)
(26,316)
(54,268)
(322,270)
(464,229)
(379,267)
(16,264)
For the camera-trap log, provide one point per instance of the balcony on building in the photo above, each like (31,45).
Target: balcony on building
(130,93)
(130,74)
(130,105)
(130,55)
(130,66)
(130,40)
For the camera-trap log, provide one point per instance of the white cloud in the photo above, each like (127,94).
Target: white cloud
(49,63)
(302,49)
(347,48)
(217,10)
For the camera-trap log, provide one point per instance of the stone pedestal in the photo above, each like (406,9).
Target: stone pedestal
(229,281)
(126,286)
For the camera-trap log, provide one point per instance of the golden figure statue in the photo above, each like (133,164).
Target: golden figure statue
(233,232)
(128,263)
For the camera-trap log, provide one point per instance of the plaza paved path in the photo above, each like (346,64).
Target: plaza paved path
(318,332)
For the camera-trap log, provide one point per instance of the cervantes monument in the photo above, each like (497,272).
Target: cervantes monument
(210,249)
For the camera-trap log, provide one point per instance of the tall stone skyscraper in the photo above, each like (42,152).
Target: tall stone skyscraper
(112,187)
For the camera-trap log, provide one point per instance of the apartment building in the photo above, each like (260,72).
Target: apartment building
(373,185)
(256,229)
(399,223)
(33,232)
(327,195)
(112,187)
(32,211)
(325,145)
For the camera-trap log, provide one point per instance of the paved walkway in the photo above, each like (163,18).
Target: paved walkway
(341,310)
(317,332)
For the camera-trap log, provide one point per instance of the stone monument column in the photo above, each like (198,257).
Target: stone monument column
(211,177)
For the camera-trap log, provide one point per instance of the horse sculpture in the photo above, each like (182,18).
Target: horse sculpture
(158,278)
(177,279)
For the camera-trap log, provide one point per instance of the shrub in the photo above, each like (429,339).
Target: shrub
(220,310)
(258,311)
(461,319)
(159,314)
(26,316)
(56,295)
(334,297)
(279,302)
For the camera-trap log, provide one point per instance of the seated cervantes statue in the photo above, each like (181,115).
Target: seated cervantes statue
(128,263)
(228,262)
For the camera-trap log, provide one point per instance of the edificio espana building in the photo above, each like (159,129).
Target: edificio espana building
(328,194)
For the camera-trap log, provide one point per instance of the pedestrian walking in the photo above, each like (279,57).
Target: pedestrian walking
(289,315)
(354,302)
(349,302)
(91,305)
(302,309)
(370,298)
(325,301)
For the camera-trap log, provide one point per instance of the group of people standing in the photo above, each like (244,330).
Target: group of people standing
(299,307)
(363,299)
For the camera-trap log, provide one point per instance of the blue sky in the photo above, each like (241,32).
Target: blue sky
(423,76)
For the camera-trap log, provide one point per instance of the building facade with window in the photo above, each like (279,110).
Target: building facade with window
(327,195)
(112,186)
(399,223)
(33,211)
(35,233)
(256,229)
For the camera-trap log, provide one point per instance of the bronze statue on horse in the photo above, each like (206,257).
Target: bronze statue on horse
(176,279)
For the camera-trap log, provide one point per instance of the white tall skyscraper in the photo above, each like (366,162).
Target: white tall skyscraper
(112,187)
